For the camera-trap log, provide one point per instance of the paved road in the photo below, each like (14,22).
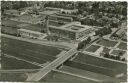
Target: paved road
(60,60)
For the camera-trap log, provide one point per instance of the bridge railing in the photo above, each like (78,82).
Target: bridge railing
(53,65)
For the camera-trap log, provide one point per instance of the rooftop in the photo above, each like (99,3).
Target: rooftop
(47,12)
(57,16)
(34,19)
(73,27)
(51,8)
(33,27)
(30,31)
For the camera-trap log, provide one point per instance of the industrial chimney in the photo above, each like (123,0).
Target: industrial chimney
(46,25)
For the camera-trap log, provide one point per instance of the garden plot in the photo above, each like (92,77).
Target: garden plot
(92,48)
(107,43)
(122,46)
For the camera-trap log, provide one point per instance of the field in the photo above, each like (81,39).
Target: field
(29,51)
(11,63)
(85,73)
(59,77)
(97,65)
(90,77)
(92,48)
(122,46)
(107,43)
(12,77)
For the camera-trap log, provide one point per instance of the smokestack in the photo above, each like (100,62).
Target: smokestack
(47,25)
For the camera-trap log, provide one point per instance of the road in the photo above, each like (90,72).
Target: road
(60,60)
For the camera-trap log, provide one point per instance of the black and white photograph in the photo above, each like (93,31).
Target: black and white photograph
(63,41)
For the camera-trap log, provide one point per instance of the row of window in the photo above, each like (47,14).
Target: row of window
(61,19)
(22,33)
(62,33)
(83,33)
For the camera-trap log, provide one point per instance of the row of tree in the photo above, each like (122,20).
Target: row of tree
(96,13)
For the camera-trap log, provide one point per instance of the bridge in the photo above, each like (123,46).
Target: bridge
(53,65)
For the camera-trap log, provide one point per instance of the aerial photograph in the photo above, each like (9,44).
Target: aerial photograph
(63,41)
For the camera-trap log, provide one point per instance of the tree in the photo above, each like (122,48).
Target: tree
(88,39)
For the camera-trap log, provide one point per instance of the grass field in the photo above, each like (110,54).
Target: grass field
(97,65)
(85,58)
(89,77)
(13,77)
(107,43)
(92,48)
(29,51)
(11,63)
(85,73)
(122,46)
(58,77)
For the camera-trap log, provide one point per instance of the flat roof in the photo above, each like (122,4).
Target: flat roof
(66,15)
(33,27)
(73,27)
(52,8)
(30,31)
(29,18)
(60,16)
(47,12)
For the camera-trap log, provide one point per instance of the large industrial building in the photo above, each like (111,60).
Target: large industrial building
(31,34)
(73,31)
(60,18)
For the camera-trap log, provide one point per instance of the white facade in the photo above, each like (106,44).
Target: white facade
(70,11)
(73,31)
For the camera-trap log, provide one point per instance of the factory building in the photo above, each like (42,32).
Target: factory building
(67,11)
(60,18)
(73,31)
(31,34)
(53,9)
